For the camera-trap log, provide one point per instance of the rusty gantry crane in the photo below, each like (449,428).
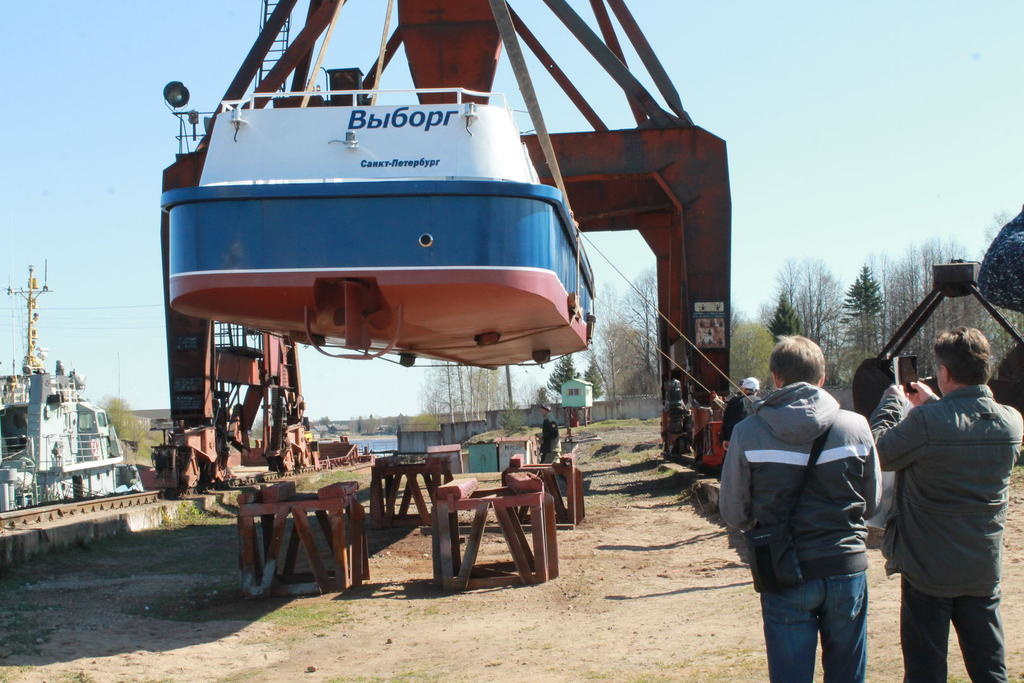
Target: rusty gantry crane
(666,178)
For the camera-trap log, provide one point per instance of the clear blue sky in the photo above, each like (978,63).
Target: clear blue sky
(852,128)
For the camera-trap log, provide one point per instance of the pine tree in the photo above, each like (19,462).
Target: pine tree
(785,321)
(862,310)
(593,375)
(864,296)
(563,371)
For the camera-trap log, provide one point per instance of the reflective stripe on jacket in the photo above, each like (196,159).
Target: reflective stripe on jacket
(767,458)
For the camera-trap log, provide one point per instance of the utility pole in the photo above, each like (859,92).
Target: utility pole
(508,386)
(33,361)
(451,404)
(462,392)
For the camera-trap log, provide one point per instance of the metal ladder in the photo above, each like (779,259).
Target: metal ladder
(280,44)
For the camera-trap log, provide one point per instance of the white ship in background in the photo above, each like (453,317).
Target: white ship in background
(54,444)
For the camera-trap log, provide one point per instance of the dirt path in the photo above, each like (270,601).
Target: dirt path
(650,590)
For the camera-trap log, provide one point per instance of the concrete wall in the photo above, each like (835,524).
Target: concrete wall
(625,409)
(417,442)
(619,409)
(457,432)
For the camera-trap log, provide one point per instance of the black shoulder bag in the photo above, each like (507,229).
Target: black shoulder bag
(773,559)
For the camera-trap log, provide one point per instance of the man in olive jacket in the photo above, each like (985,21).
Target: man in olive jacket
(953,458)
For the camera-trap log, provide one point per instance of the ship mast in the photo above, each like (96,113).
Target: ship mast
(33,361)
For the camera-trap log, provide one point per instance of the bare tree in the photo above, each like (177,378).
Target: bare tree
(817,296)
(641,313)
(626,346)
(905,283)
(447,390)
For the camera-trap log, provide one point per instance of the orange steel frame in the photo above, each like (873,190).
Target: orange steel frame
(666,178)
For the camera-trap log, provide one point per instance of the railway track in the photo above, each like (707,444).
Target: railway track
(269,476)
(17,519)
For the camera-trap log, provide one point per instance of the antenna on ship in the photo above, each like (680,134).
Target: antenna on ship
(34,356)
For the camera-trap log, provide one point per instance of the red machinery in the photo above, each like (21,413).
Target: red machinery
(666,178)
(708,450)
(242,371)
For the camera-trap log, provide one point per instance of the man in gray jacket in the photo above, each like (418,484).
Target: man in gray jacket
(952,457)
(763,471)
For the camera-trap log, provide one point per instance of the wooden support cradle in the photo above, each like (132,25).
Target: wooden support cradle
(338,514)
(530,565)
(387,475)
(568,498)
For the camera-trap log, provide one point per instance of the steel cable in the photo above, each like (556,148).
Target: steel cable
(670,323)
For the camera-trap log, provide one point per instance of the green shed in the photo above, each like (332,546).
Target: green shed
(577,393)
(483,457)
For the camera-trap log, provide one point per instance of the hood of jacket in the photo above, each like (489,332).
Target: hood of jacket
(798,413)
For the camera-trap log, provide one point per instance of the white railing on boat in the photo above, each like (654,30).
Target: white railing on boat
(91,447)
(248,102)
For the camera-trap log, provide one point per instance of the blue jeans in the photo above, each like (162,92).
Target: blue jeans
(836,607)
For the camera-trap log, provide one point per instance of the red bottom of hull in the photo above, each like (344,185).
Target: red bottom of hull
(450,314)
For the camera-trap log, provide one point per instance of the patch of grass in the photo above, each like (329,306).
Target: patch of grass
(404,677)
(524,431)
(615,424)
(223,601)
(188,514)
(635,456)
(77,677)
(241,676)
(313,613)
(9,674)
(331,477)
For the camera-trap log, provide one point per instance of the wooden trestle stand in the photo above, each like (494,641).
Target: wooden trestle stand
(530,565)
(340,517)
(386,481)
(569,505)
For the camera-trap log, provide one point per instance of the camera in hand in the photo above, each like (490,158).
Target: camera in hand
(904,371)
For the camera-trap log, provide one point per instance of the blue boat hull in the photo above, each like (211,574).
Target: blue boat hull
(483,272)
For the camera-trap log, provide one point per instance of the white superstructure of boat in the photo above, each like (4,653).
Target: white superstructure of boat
(54,444)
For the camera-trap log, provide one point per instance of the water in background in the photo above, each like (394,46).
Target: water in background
(389,443)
